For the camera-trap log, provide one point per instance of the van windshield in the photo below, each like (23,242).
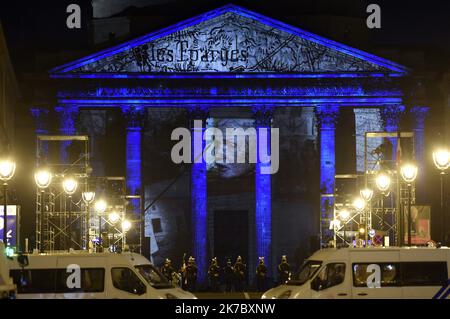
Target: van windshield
(305,272)
(154,277)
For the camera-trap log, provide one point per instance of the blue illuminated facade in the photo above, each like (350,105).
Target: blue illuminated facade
(263,186)
(118,78)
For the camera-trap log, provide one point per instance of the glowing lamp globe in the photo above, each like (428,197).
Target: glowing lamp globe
(441,159)
(366,194)
(359,204)
(88,197)
(70,186)
(100,206)
(43,178)
(126,225)
(7,169)
(409,172)
(344,214)
(383,182)
(114,217)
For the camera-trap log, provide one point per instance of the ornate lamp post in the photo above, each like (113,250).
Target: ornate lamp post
(43,179)
(70,187)
(409,174)
(344,215)
(100,208)
(126,226)
(441,159)
(360,204)
(88,198)
(367,195)
(383,182)
(7,170)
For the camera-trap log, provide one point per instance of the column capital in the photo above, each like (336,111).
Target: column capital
(67,117)
(391,115)
(326,115)
(420,114)
(263,115)
(135,116)
(41,118)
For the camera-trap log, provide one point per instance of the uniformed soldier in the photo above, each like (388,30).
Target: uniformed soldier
(239,274)
(214,272)
(167,269)
(228,272)
(191,274)
(261,275)
(284,270)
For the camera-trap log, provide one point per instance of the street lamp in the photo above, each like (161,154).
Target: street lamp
(126,226)
(88,199)
(100,207)
(383,182)
(70,187)
(7,170)
(366,194)
(359,204)
(43,179)
(409,174)
(344,215)
(441,160)
(113,217)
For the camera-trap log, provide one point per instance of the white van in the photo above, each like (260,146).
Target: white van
(343,274)
(7,288)
(103,275)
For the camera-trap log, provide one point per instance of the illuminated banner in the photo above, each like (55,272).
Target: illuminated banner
(421,224)
(13,224)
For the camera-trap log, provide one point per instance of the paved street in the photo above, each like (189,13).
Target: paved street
(232,295)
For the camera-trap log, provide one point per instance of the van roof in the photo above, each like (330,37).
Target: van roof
(130,258)
(344,253)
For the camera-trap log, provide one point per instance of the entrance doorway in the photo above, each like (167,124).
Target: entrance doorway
(231,235)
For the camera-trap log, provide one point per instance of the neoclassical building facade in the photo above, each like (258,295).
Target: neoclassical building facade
(235,60)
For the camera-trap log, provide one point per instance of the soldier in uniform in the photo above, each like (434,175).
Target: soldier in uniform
(228,272)
(214,272)
(239,274)
(191,274)
(261,275)
(167,270)
(284,270)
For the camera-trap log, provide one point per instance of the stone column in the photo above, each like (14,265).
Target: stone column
(391,116)
(198,117)
(326,118)
(263,186)
(366,120)
(41,119)
(420,114)
(67,115)
(134,116)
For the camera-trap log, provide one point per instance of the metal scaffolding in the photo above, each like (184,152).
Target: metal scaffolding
(64,222)
(382,215)
(61,220)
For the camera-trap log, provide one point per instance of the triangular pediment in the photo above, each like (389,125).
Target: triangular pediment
(233,40)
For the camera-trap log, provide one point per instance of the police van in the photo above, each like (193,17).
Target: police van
(370,273)
(84,275)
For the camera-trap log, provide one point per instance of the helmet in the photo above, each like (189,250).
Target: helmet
(283,258)
(191,259)
(261,260)
(239,258)
(168,261)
